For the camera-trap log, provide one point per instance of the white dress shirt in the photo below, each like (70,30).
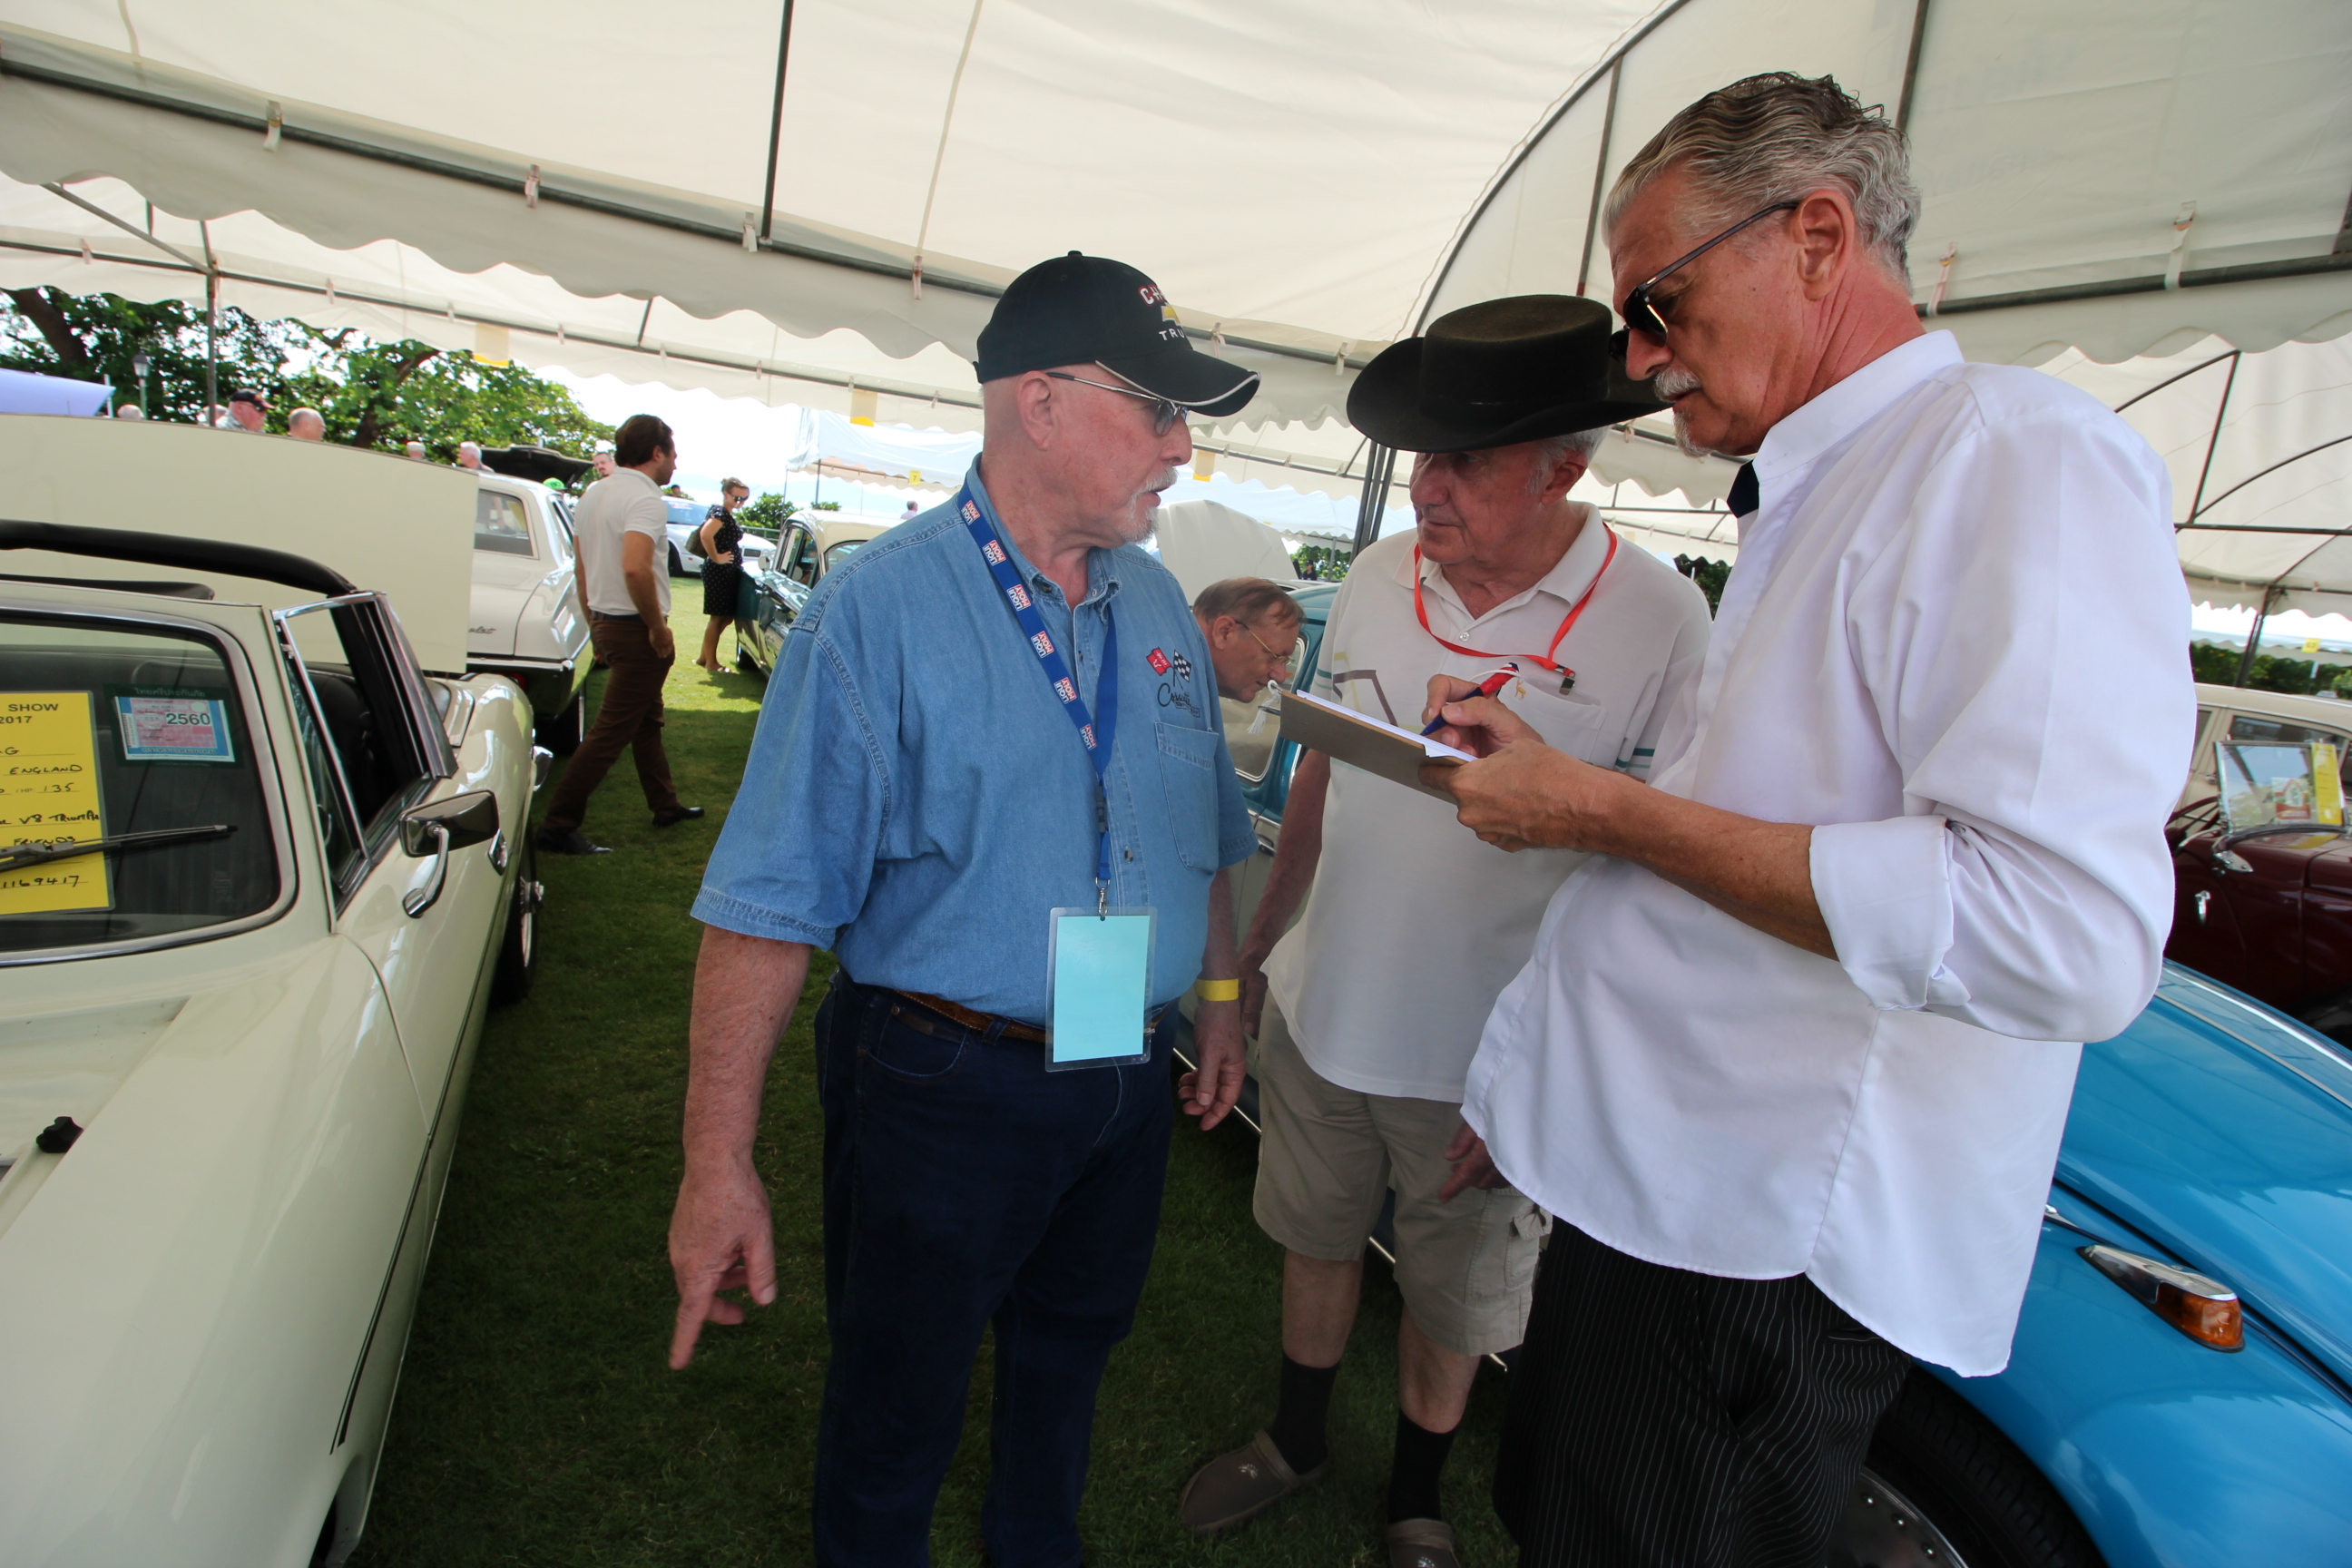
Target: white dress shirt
(1957,642)
(1414,925)
(624,503)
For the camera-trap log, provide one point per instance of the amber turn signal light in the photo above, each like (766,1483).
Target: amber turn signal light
(2204,1308)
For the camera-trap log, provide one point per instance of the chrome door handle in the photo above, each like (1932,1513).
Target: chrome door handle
(2204,901)
(416,901)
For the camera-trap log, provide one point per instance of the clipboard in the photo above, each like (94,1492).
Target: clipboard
(1356,737)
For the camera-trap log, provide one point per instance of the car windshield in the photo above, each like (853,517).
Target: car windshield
(136,738)
(842,552)
(687,514)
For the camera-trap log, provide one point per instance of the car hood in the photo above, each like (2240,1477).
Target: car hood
(2223,1133)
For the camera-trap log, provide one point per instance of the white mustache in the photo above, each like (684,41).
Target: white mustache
(1673,382)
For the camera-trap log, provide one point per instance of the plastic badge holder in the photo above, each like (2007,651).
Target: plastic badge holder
(1098,970)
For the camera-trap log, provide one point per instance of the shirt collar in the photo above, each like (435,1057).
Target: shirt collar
(1569,576)
(1102,565)
(1845,407)
(639,475)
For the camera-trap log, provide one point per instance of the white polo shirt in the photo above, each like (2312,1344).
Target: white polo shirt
(1414,926)
(627,502)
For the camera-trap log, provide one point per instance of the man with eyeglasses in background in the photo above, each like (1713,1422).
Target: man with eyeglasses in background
(1791,1060)
(1411,928)
(962,777)
(1252,628)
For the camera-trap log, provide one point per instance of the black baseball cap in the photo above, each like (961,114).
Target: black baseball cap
(1089,309)
(247,395)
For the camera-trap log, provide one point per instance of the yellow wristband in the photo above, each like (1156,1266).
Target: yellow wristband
(1217,990)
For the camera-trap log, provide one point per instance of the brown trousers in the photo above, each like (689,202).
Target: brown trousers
(629,717)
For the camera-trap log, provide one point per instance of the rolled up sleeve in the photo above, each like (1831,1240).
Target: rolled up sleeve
(2028,653)
(797,855)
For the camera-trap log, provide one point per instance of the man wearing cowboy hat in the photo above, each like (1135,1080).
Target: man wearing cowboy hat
(1411,932)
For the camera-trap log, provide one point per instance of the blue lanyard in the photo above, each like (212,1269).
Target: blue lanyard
(1097,730)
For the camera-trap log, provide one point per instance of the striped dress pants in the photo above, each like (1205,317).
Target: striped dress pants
(1661,1418)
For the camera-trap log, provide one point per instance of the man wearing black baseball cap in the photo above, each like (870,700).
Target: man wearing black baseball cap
(991,777)
(245,410)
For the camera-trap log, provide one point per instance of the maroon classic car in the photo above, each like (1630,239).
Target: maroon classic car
(2261,865)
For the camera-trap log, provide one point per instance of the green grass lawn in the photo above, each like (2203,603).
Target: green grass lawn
(538,1421)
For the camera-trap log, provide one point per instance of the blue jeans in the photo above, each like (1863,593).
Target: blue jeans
(965,1185)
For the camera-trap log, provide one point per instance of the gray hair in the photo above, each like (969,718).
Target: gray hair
(1552,448)
(1774,138)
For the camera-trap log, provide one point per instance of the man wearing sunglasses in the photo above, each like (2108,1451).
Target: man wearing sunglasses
(966,785)
(1791,1059)
(1379,993)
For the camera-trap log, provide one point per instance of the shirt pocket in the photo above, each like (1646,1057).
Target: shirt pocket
(1188,776)
(1572,723)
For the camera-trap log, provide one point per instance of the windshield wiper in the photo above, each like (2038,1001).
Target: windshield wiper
(25,855)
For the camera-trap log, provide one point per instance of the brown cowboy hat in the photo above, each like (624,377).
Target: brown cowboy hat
(1499,371)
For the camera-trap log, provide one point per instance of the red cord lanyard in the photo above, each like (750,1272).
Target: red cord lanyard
(1568,676)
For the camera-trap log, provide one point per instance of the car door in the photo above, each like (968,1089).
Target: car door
(423,917)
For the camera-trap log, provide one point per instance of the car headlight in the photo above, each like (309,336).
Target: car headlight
(2203,1308)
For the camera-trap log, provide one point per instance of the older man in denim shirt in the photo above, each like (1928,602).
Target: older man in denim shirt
(919,799)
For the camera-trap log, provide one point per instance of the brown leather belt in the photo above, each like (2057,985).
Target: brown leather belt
(978,1023)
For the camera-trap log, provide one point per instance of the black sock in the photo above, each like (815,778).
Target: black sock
(1420,1460)
(1297,1425)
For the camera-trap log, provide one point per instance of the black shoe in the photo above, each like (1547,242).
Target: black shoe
(569,841)
(672,818)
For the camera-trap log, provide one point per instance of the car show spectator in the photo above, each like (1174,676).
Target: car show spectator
(307,424)
(1361,1059)
(622,532)
(245,411)
(1792,1057)
(1251,627)
(603,459)
(721,538)
(413,449)
(925,796)
(469,456)
(130,411)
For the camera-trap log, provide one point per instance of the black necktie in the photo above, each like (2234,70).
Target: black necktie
(1744,496)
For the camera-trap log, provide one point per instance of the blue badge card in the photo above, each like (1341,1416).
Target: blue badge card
(1099,967)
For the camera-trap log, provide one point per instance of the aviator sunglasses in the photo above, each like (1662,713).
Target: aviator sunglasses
(1643,314)
(1164,413)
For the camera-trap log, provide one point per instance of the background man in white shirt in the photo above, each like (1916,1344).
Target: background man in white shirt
(623,526)
(1791,1060)
(1412,927)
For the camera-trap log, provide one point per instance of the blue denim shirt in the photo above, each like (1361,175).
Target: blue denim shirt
(917,800)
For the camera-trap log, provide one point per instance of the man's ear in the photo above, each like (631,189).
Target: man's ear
(1040,411)
(1827,237)
(1562,478)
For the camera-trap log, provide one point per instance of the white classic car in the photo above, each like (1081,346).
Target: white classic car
(525,621)
(260,877)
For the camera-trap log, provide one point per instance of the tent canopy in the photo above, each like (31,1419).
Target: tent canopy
(828,218)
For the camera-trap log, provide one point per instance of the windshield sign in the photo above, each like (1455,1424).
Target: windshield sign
(135,744)
(2269,783)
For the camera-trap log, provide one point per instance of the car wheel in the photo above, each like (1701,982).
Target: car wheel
(518,952)
(1944,1488)
(744,659)
(562,732)
(677,563)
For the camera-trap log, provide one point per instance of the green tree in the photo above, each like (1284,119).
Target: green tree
(96,337)
(768,515)
(1710,576)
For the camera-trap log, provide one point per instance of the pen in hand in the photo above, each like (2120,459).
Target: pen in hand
(1486,688)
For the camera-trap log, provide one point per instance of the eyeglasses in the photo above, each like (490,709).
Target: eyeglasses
(1164,413)
(1281,661)
(1642,313)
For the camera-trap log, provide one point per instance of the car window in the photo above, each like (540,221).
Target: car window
(501,525)
(1252,727)
(842,552)
(2254,730)
(109,732)
(801,567)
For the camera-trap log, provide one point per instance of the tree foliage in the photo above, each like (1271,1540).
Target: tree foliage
(2217,665)
(371,395)
(1710,576)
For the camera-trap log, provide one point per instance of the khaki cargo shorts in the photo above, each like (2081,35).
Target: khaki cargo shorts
(1466,1269)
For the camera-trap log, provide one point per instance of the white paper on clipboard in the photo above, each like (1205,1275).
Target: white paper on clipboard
(1356,737)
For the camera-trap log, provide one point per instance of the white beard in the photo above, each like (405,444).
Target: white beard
(1673,382)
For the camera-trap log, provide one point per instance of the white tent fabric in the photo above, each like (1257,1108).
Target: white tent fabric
(1301,176)
(22,392)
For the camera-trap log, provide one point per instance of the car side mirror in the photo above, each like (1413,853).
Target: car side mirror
(463,819)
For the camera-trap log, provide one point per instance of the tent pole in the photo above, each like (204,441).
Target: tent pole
(1372,503)
(2254,637)
(776,122)
(211,346)
(1911,67)
(2213,442)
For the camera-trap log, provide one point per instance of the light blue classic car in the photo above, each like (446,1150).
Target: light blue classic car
(2180,1389)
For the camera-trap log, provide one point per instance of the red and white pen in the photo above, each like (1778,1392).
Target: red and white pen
(1504,675)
